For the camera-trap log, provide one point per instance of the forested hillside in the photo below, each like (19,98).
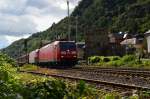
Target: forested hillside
(113,15)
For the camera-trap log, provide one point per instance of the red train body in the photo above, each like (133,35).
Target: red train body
(58,53)
(33,56)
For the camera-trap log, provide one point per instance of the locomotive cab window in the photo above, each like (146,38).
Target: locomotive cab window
(67,45)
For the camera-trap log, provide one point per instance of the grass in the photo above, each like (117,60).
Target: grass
(29,78)
(128,61)
(29,67)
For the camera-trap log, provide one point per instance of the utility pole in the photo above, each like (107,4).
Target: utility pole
(69,28)
(26,48)
(126,37)
(76,28)
(53,31)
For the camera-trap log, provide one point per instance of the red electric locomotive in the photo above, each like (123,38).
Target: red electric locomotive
(58,53)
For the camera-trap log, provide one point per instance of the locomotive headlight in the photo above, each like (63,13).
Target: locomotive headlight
(63,52)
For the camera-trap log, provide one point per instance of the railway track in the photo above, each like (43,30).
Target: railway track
(119,71)
(125,77)
(94,77)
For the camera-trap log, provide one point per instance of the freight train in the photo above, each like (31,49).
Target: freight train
(57,53)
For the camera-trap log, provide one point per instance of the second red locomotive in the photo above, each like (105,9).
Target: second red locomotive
(57,53)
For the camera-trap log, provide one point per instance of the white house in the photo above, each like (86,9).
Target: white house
(148,40)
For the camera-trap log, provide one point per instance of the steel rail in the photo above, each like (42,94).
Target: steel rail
(115,71)
(90,80)
(116,68)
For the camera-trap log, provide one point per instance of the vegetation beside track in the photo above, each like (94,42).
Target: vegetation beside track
(29,67)
(51,71)
(26,86)
(128,61)
(15,85)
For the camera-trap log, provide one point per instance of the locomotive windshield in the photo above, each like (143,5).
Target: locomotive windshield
(67,46)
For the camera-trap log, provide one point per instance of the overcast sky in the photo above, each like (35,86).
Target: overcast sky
(19,18)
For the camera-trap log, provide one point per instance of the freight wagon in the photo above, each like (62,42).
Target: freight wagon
(33,57)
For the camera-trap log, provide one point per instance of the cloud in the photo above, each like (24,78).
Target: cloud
(12,6)
(16,26)
(20,17)
(11,39)
(7,40)
(3,42)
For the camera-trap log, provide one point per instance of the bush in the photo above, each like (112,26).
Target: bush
(101,60)
(112,96)
(55,89)
(94,59)
(5,59)
(134,97)
(146,63)
(126,61)
(106,59)
(128,58)
(115,63)
(114,58)
(144,95)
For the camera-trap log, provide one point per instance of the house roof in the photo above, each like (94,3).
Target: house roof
(147,33)
(131,41)
(116,35)
(80,44)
